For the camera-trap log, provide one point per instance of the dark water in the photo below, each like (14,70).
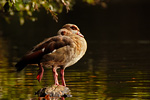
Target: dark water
(112,71)
(116,65)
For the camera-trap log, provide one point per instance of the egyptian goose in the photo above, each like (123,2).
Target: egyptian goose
(59,51)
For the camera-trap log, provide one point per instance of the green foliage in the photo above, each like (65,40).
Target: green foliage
(25,8)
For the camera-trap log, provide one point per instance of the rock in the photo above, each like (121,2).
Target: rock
(54,91)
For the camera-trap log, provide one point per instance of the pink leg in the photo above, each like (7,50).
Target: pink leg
(55,74)
(62,98)
(62,76)
(40,73)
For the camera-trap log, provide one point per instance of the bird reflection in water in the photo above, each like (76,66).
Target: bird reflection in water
(51,98)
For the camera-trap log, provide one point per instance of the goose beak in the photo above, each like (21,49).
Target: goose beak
(78,33)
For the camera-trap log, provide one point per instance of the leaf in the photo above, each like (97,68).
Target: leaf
(29,13)
(21,21)
(54,15)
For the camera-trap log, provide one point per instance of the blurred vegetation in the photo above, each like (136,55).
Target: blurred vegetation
(25,8)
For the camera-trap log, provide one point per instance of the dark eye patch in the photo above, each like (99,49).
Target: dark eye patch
(73,27)
(63,33)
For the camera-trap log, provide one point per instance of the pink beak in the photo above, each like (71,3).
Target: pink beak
(78,33)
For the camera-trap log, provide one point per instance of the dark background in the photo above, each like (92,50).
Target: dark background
(122,20)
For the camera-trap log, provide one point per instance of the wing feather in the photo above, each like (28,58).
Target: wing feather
(43,48)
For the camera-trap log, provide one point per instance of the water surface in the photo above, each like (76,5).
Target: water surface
(110,70)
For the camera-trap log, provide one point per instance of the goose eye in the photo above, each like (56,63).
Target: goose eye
(73,27)
(63,33)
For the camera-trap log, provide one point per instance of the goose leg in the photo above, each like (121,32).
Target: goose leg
(40,72)
(62,98)
(62,76)
(55,74)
